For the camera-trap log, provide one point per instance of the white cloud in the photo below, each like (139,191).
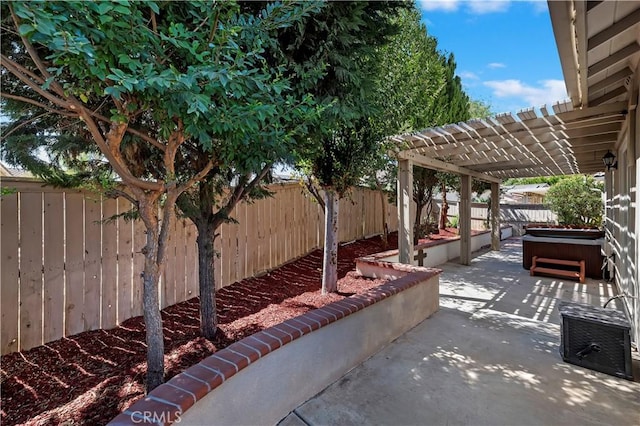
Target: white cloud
(539,6)
(548,92)
(495,65)
(469,75)
(482,7)
(475,7)
(442,5)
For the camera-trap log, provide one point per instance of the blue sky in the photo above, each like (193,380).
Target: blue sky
(505,50)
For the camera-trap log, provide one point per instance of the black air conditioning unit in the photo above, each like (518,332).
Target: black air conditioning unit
(596,338)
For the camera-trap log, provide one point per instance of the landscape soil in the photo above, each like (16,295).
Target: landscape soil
(91,377)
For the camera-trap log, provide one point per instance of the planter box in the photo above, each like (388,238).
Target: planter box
(263,377)
(434,253)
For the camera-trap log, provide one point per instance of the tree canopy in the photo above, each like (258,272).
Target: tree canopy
(577,200)
(145,88)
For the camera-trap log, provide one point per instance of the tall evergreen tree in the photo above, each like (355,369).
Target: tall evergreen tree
(346,35)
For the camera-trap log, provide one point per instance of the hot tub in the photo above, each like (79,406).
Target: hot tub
(566,244)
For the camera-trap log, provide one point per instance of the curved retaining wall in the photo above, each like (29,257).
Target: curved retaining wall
(263,377)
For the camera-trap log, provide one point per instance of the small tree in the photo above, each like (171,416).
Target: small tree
(346,35)
(577,200)
(151,85)
(425,182)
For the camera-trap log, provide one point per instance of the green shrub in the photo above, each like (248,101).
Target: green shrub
(577,200)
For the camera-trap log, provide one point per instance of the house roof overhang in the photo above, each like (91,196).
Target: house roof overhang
(599,47)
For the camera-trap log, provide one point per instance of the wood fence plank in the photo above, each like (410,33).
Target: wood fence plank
(125,263)
(247,240)
(92,261)
(320,221)
(255,222)
(311,228)
(169,275)
(74,264)
(54,291)
(342,223)
(294,228)
(285,205)
(30,270)
(218,256)
(139,241)
(271,227)
(305,223)
(265,229)
(9,273)
(233,247)
(275,226)
(180,265)
(299,234)
(109,265)
(288,220)
(191,258)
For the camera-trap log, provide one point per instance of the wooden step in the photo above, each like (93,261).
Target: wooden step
(557,272)
(579,275)
(558,261)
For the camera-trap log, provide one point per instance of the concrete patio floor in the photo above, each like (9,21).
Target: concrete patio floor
(488,357)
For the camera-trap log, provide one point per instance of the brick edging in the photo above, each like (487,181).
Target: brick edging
(167,402)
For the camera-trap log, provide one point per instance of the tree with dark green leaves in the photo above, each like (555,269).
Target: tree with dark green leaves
(346,35)
(452,107)
(410,80)
(166,94)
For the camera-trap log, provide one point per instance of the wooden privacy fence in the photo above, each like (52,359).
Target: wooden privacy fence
(515,215)
(65,271)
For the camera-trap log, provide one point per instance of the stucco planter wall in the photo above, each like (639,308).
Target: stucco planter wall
(385,264)
(261,378)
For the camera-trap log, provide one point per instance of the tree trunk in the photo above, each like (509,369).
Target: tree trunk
(445,208)
(208,314)
(153,325)
(150,299)
(330,262)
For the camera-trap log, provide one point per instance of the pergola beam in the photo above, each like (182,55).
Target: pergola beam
(432,163)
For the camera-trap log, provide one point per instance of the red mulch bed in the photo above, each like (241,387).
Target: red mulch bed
(91,377)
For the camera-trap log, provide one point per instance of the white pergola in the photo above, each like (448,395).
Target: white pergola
(566,141)
(599,47)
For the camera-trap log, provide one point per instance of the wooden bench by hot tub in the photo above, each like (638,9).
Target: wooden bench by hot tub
(557,272)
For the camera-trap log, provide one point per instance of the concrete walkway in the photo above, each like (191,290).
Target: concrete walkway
(488,357)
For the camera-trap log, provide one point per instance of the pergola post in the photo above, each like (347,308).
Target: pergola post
(495,216)
(464,221)
(405,224)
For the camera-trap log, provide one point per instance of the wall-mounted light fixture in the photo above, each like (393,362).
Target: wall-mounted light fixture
(609,160)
